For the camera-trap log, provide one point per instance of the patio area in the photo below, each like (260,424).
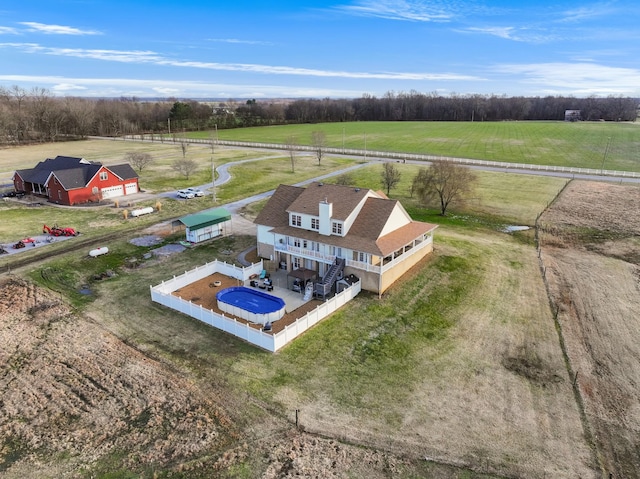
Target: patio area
(203,292)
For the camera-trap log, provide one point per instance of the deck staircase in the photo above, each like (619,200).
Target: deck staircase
(323,287)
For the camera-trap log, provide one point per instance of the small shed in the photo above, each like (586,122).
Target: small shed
(206,224)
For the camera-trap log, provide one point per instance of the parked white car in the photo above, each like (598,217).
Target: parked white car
(195,191)
(185,194)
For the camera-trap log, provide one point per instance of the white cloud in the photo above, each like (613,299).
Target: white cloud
(57,29)
(99,87)
(8,31)
(139,56)
(585,13)
(66,87)
(579,78)
(526,35)
(416,11)
(501,32)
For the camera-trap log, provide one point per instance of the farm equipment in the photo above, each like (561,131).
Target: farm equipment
(23,242)
(55,230)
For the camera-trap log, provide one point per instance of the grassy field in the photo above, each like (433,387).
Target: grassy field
(458,362)
(545,143)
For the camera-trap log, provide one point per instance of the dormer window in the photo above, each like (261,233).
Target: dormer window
(296,220)
(315,224)
(336,228)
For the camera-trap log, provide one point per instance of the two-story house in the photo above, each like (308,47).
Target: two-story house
(69,181)
(313,228)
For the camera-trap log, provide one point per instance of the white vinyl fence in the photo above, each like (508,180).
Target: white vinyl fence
(162,294)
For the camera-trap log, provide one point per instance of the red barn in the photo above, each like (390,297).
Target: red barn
(70,181)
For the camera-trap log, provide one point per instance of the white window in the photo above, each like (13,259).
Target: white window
(334,251)
(296,262)
(315,224)
(104,176)
(336,228)
(296,220)
(296,242)
(360,256)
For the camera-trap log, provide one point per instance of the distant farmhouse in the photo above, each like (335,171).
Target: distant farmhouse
(70,181)
(324,232)
(572,115)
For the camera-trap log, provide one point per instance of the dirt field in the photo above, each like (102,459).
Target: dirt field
(68,387)
(75,399)
(591,251)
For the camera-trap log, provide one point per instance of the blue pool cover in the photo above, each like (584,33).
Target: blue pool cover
(250,300)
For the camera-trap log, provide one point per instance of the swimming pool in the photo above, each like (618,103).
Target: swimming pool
(251,304)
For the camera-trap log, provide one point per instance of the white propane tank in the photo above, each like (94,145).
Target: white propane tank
(142,211)
(98,251)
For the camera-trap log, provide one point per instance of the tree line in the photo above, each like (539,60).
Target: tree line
(28,116)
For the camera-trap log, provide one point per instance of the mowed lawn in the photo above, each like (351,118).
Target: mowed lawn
(580,145)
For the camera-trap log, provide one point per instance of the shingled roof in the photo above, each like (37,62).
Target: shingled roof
(71,178)
(72,172)
(275,211)
(367,234)
(344,199)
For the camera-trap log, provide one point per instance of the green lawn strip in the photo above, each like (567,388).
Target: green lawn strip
(259,176)
(546,143)
(160,176)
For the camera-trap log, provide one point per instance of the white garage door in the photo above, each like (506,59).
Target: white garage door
(131,188)
(111,191)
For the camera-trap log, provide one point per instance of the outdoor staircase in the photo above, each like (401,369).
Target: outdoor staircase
(323,288)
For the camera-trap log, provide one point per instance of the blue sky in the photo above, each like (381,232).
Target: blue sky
(338,49)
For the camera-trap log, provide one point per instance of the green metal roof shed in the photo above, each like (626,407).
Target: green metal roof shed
(205,224)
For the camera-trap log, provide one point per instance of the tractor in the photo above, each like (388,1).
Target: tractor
(55,230)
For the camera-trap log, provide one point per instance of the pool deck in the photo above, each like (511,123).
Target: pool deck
(203,293)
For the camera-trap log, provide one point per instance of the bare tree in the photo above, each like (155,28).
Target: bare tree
(139,159)
(185,166)
(292,147)
(390,176)
(80,114)
(184,146)
(319,142)
(444,182)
